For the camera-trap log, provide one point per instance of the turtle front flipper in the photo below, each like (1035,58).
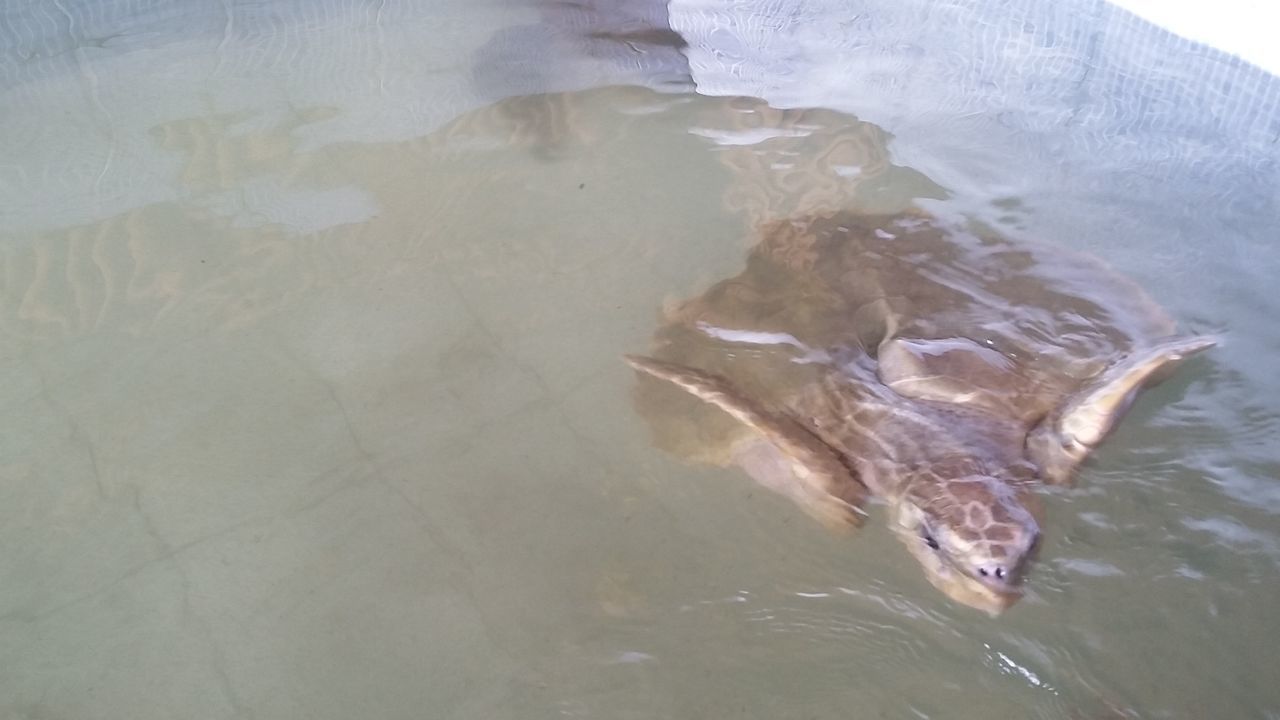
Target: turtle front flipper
(783,455)
(1066,437)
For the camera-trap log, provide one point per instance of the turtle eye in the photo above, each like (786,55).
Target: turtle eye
(930,541)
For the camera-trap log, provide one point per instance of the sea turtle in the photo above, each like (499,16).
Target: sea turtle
(937,367)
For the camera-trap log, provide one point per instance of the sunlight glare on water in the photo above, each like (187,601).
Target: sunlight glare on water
(313,399)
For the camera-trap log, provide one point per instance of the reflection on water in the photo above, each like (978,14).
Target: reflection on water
(313,403)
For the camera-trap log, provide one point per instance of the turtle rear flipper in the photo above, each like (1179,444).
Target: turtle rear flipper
(1066,437)
(783,455)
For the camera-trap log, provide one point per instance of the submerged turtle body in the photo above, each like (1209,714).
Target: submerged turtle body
(940,369)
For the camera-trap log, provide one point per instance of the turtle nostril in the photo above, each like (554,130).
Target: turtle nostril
(996,571)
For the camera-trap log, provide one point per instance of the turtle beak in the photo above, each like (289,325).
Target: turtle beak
(958,584)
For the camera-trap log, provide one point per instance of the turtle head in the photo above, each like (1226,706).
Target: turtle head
(973,535)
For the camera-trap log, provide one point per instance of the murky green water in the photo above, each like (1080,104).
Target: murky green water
(312,403)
